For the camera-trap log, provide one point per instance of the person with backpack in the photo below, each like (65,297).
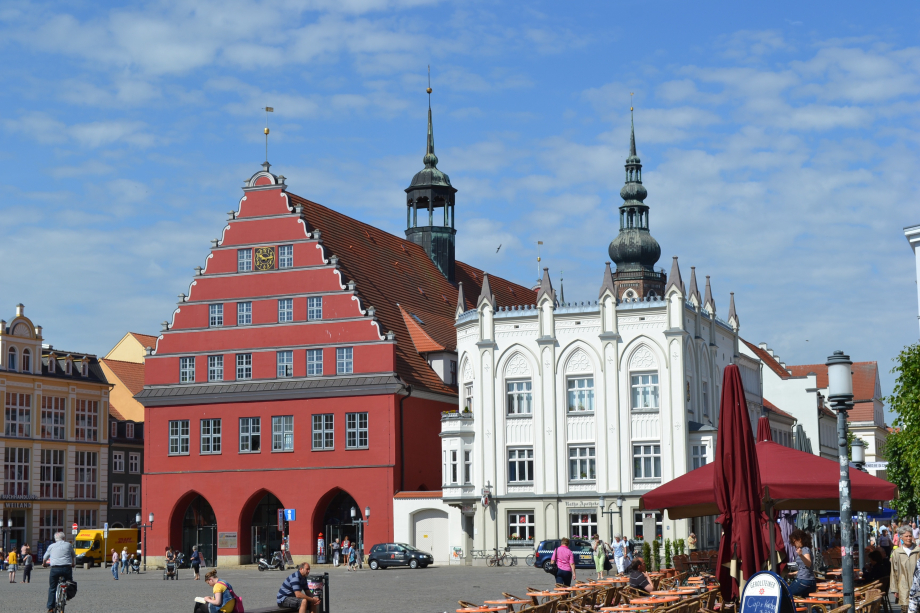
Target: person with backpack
(223,599)
(295,593)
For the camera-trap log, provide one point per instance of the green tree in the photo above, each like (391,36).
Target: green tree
(656,555)
(647,554)
(903,447)
(667,553)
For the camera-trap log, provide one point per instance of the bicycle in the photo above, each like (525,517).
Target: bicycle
(60,595)
(501,559)
(531,559)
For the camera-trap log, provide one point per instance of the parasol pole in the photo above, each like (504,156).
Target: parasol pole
(768,503)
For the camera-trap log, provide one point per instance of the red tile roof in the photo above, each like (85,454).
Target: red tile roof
(865,375)
(423,343)
(426,494)
(389,270)
(131,374)
(772,407)
(114,413)
(862,411)
(145,340)
(768,359)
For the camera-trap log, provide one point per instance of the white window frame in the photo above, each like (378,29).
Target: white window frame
(282,433)
(583,523)
(453,472)
(344,360)
(243,366)
(468,397)
(86,474)
(639,389)
(244,260)
(118,495)
(215,368)
(580,394)
(519,457)
(285,256)
(134,497)
(26,360)
(134,463)
(646,459)
(244,313)
(18,415)
(118,461)
(17,471)
(525,530)
(54,418)
(250,435)
(519,397)
(11,360)
(51,476)
(323,431)
(215,315)
(582,461)
(356,431)
(314,308)
(314,366)
(698,456)
(285,364)
(187,369)
(178,437)
(467,466)
(86,418)
(285,310)
(211,434)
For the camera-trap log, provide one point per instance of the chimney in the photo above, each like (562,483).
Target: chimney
(20,309)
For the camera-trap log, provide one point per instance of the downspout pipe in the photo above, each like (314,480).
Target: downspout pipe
(402,439)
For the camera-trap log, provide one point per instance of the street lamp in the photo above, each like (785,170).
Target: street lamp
(8,530)
(149,524)
(360,522)
(858,449)
(840,395)
(603,506)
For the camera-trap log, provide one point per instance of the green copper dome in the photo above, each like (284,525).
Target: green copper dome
(430,175)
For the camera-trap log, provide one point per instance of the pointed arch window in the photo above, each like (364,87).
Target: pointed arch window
(11,359)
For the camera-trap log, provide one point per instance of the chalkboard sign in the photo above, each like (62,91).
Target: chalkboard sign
(766,592)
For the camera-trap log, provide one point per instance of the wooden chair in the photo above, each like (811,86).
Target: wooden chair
(468,605)
(512,596)
(870,606)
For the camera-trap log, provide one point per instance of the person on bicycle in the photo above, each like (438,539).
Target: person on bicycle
(61,558)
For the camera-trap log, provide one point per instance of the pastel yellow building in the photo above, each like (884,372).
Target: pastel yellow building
(54,442)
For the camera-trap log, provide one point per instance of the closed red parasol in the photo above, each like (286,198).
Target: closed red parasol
(763,430)
(737,488)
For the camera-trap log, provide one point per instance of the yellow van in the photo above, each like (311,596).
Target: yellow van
(92,547)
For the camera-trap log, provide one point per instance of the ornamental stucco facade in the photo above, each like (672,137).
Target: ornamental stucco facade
(565,404)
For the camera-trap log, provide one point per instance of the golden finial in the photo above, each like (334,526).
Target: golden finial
(267,110)
(630,101)
(429,80)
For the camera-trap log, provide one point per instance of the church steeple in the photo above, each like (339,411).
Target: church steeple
(431,189)
(634,249)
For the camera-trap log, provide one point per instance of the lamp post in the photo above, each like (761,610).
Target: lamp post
(149,524)
(859,459)
(603,506)
(840,395)
(7,530)
(360,522)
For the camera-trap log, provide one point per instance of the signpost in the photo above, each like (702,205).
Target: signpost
(876,465)
(74,531)
(766,592)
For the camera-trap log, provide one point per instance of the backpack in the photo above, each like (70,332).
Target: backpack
(238,607)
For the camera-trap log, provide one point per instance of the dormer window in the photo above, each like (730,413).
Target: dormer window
(68,366)
(11,359)
(84,367)
(52,364)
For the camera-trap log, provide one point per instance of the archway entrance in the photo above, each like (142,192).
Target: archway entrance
(266,538)
(199,528)
(337,519)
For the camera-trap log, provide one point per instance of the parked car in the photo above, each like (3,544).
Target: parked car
(397,554)
(581,549)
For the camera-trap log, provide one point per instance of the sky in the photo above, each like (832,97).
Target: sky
(779,143)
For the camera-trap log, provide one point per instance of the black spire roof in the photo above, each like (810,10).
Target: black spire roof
(634,248)
(430,175)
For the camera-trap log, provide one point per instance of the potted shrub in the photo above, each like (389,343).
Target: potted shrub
(667,554)
(647,554)
(656,555)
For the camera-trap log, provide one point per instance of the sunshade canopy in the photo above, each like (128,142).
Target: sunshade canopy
(797,480)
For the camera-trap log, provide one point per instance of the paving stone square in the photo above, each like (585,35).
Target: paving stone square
(435,589)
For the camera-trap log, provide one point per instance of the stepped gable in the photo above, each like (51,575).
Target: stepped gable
(865,376)
(768,359)
(395,275)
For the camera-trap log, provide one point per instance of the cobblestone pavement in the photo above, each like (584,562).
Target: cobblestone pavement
(431,590)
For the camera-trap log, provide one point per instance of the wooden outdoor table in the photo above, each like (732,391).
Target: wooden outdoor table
(654,601)
(508,602)
(482,610)
(832,595)
(626,607)
(666,593)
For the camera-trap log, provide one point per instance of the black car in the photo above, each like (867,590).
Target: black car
(397,554)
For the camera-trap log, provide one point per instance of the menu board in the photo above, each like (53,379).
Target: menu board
(766,592)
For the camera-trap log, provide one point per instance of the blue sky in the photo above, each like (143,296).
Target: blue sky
(780,144)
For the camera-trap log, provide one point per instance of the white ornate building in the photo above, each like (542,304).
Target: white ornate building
(567,407)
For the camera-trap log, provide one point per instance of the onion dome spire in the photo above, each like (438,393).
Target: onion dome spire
(634,248)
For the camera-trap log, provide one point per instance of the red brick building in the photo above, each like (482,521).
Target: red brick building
(306,368)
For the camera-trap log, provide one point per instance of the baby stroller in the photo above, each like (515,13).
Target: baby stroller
(135,566)
(172,568)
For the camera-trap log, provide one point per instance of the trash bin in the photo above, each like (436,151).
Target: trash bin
(319,585)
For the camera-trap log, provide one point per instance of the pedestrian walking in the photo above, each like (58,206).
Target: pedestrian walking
(196,562)
(114,564)
(336,552)
(903,563)
(691,542)
(27,563)
(884,541)
(124,561)
(11,560)
(600,549)
(565,563)
(621,553)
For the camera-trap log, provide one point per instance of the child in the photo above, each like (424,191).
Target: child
(12,567)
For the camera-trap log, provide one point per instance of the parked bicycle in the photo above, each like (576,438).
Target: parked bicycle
(531,559)
(502,559)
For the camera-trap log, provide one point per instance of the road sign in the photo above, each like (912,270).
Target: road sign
(290,514)
(75,529)
(876,465)
(105,529)
(281,520)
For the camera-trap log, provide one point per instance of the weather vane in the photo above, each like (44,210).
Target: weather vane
(268,109)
